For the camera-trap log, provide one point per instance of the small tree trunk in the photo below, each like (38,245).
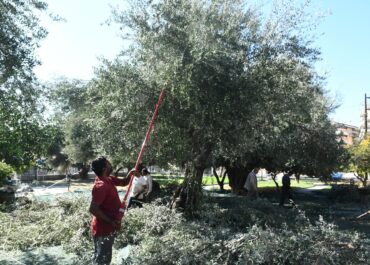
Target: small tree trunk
(221,181)
(364,182)
(363,179)
(274,175)
(297,177)
(278,190)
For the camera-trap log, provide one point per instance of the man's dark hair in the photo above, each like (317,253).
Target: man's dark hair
(98,165)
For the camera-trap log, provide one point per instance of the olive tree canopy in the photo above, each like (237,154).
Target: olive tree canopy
(238,85)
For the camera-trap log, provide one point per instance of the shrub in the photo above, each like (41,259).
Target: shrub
(344,192)
(5,171)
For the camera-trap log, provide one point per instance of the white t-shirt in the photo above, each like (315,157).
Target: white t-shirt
(138,186)
(251,182)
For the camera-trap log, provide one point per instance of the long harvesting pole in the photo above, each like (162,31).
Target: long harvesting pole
(161,95)
(123,203)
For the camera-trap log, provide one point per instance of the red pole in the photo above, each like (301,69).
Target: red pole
(149,130)
(123,203)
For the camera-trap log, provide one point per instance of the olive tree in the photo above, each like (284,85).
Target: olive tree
(234,82)
(71,111)
(360,160)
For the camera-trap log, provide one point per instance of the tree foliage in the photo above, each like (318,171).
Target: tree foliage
(71,111)
(22,128)
(20,34)
(5,171)
(23,131)
(360,160)
(240,89)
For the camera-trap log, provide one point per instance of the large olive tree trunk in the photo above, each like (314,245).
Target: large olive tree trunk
(83,172)
(188,195)
(237,177)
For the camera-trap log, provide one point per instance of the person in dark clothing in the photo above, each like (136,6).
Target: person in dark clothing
(285,192)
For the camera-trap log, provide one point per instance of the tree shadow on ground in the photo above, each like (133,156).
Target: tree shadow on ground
(314,203)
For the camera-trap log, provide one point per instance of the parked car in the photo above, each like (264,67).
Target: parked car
(335,176)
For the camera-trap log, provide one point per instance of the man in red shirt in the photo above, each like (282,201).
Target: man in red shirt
(105,204)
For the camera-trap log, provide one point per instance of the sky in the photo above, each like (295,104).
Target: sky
(73,47)
(345,47)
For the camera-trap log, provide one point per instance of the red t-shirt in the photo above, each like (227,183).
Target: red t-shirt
(105,194)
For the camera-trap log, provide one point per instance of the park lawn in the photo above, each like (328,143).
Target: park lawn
(303,183)
(169,180)
(165,180)
(210,180)
(306,183)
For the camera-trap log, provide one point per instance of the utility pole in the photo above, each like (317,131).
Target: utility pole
(366,109)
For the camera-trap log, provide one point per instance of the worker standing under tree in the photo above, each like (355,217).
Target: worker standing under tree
(105,205)
(251,184)
(285,192)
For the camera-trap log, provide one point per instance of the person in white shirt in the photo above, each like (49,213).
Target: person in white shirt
(141,188)
(251,184)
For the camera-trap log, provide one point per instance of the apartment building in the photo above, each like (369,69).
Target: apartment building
(347,133)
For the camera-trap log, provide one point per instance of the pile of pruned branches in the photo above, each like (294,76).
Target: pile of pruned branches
(244,232)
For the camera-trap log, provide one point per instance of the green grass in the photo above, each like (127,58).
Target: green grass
(307,183)
(210,180)
(164,180)
(168,180)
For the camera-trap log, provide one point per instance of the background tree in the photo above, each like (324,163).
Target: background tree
(21,125)
(54,158)
(22,128)
(360,160)
(20,34)
(71,111)
(5,171)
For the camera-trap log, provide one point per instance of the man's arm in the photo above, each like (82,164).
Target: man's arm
(125,181)
(98,213)
(120,182)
